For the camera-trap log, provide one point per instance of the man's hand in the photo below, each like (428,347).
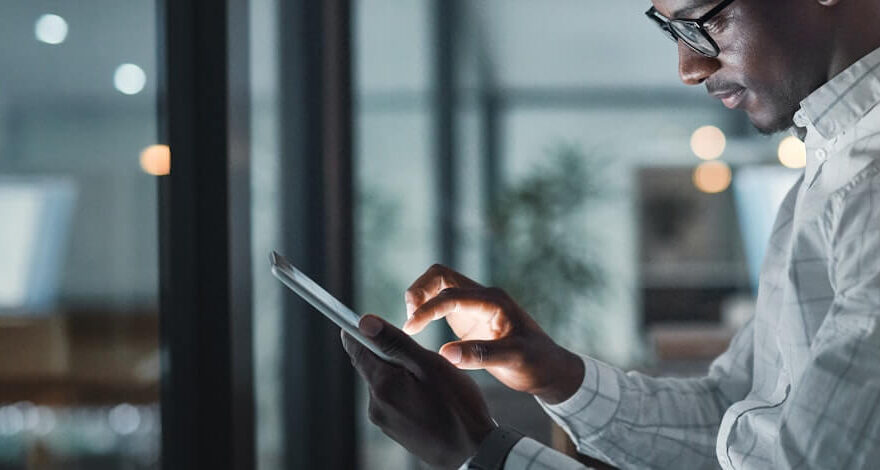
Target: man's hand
(497,335)
(426,405)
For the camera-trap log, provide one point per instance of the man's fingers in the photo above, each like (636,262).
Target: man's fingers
(432,282)
(481,354)
(395,343)
(452,300)
(361,357)
(385,380)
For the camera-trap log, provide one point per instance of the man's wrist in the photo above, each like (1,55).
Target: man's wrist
(569,378)
(494,449)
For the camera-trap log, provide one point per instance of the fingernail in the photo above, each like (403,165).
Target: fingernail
(371,326)
(452,354)
(410,308)
(407,328)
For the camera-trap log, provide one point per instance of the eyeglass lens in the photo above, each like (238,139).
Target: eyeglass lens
(696,39)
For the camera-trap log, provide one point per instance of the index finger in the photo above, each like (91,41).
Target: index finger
(473,302)
(431,283)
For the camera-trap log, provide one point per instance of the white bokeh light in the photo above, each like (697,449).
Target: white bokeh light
(51,29)
(46,422)
(129,79)
(31,415)
(124,419)
(11,421)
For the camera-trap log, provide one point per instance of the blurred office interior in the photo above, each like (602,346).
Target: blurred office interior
(544,146)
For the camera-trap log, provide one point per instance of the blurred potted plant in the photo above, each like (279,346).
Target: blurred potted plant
(543,255)
(542,250)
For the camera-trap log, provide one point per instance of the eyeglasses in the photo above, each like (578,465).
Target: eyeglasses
(691,32)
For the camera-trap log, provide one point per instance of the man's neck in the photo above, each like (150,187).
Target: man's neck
(859,38)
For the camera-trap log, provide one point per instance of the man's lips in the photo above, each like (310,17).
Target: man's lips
(731,97)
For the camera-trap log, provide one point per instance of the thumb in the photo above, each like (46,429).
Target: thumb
(480,354)
(394,342)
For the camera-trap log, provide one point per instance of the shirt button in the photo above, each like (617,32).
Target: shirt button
(821,154)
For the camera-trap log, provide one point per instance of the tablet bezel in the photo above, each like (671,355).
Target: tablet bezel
(321,300)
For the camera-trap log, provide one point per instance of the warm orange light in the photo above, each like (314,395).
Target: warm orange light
(712,177)
(792,152)
(156,160)
(708,142)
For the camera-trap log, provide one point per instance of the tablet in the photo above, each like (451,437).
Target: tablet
(325,303)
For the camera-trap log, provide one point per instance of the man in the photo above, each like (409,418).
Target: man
(799,386)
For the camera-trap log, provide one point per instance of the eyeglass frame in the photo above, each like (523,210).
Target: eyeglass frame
(699,23)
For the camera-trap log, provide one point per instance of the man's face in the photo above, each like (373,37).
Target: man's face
(770,60)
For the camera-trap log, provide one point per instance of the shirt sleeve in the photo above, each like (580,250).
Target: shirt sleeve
(529,454)
(631,420)
(832,416)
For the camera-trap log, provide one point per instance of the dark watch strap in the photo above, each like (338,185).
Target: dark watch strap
(494,449)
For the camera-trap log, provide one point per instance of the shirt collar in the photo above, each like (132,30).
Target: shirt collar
(844,100)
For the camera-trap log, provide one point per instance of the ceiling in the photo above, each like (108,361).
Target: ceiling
(575,43)
(528,44)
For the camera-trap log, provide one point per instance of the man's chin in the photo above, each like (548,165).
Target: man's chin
(769,124)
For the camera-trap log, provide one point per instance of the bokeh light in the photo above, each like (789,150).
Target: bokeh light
(712,177)
(51,29)
(46,422)
(129,79)
(708,142)
(11,420)
(124,419)
(156,160)
(793,152)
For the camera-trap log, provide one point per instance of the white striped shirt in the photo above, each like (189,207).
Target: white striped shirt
(799,386)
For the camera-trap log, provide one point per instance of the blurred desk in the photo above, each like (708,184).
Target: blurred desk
(79,358)
(687,349)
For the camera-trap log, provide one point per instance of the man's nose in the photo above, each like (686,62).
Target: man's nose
(694,68)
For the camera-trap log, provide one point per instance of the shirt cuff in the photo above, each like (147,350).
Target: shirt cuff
(594,404)
(529,454)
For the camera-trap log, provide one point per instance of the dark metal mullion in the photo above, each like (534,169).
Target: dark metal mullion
(341,440)
(316,147)
(447,197)
(493,183)
(491,155)
(239,223)
(205,286)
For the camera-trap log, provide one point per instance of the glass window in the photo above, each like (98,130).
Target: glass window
(79,365)
(394,183)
